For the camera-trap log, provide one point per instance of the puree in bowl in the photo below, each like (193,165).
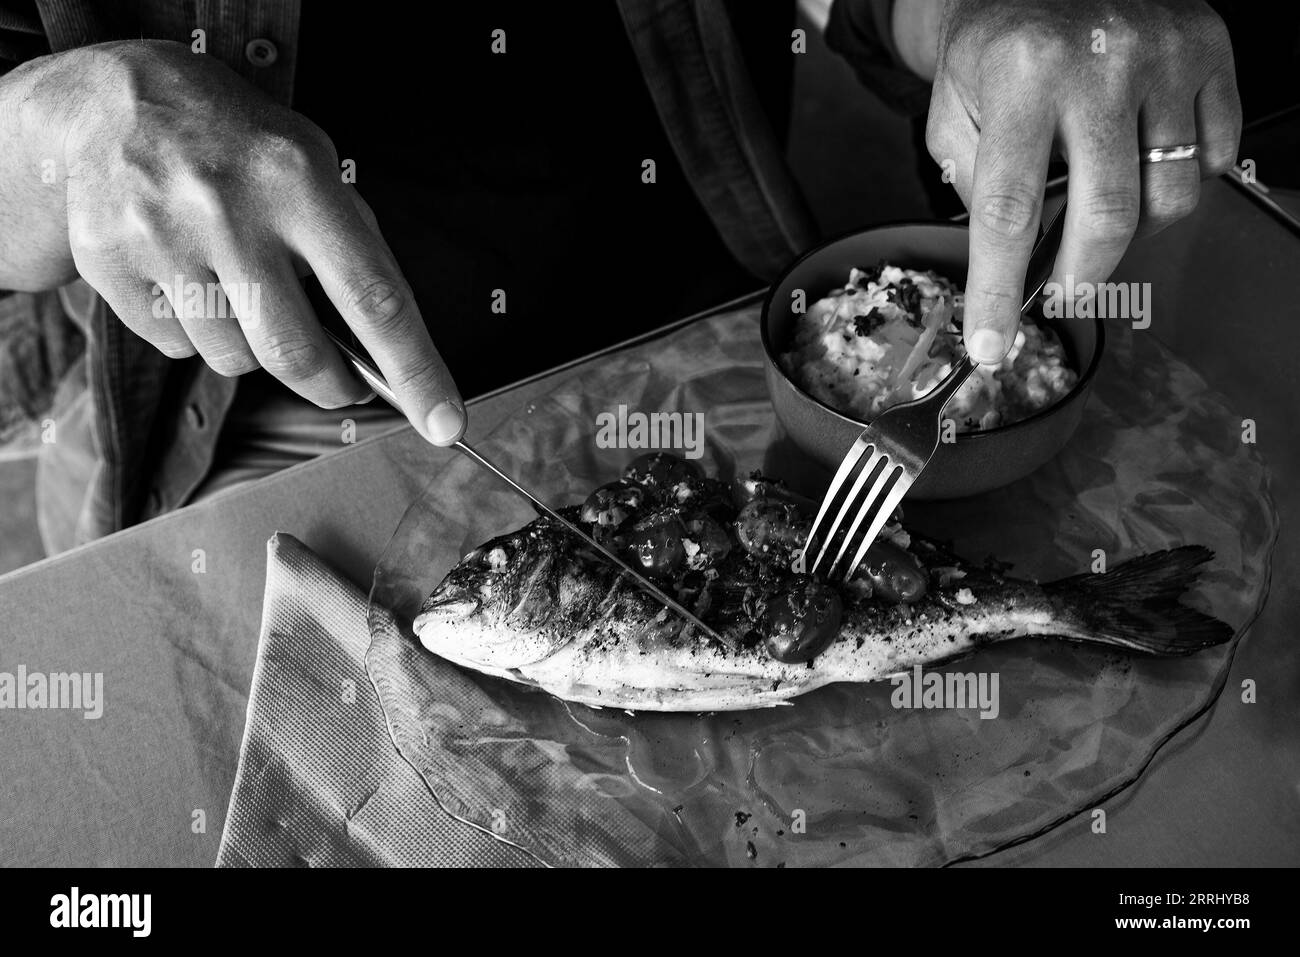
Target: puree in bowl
(891,335)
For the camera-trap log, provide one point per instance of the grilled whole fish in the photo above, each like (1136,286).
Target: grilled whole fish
(539,607)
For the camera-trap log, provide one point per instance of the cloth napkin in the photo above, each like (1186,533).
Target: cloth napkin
(319,781)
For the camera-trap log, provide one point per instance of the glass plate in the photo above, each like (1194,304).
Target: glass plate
(842,776)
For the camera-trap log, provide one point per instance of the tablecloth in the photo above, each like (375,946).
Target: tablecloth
(319,783)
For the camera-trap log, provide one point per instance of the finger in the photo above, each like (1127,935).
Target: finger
(1170,189)
(1105,194)
(371,220)
(952,139)
(284,334)
(1218,123)
(144,307)
(363,280)
(368,215)
(301,270)
(209,319)
(1006,204)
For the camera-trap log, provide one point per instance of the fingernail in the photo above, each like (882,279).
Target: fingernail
(444,423)
(367,398)
(987,345)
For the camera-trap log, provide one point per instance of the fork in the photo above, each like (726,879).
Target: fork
(892,452)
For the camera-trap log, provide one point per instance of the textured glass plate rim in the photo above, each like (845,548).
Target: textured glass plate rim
(1221,682)
(404,628)
(1212,697)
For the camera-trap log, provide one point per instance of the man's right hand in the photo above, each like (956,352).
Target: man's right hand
(170,165)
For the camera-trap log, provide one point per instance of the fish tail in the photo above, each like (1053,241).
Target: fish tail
(1136,605)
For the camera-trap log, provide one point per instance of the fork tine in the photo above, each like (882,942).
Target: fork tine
(883,481)
(874,464)
(850,461)
(891,500)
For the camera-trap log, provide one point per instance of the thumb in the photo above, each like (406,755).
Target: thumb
(989,343)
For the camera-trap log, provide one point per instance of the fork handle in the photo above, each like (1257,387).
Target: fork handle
(944,391)
(1042,258)
(368,373)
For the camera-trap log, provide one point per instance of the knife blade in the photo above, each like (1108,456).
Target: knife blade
(372,377)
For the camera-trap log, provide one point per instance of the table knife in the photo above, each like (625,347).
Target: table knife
(372,377)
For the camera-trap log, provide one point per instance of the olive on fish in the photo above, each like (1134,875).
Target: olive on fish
(661,470)
(893,573)
(757,487)
(706,542)
(772,529)
(801,620)
(612,504)
(707,496)
(656,543)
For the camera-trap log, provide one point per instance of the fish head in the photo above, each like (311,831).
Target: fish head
(503,605)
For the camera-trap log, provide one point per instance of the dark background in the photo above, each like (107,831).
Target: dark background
(858,164)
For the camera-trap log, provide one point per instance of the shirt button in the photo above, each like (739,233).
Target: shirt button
(261,52)
(194,413)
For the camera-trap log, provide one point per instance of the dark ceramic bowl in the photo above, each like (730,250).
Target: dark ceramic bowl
(977,461)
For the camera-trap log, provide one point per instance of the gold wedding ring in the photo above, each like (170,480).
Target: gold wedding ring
(1162,154)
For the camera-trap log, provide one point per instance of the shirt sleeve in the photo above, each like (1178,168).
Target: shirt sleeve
(859,31)
(21,35)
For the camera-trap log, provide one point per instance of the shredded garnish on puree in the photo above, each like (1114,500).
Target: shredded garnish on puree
(891,334)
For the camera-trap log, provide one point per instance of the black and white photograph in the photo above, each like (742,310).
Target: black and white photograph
(650,434)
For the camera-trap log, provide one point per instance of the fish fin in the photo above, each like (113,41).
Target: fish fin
(1136,604)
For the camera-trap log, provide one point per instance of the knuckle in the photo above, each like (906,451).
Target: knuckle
(990,301)
(1009,210)
(145,221)
(1171,205)
(288,153)
(1169,45)
(1124,38)
(289,156)
(85,240)
(90,238)
(421,376)
(293,357)
(1028,51)
(377,302)
(316,140)
(1212,31)
(207,192)
(1110,214)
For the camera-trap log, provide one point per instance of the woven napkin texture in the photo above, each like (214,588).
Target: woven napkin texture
(319,782)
